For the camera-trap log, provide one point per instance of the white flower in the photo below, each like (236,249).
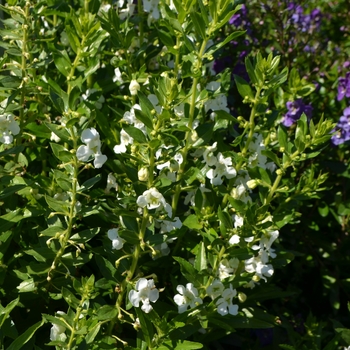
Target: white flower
(118,76)
(125,140)
(8,126)
(130,118)
(93,148)
(134,87)
(215,289)
(145,292)
(111,183)
(154,200)
(234,239)
(227,268)
(54,137)
(128,11)
(225,305)
(168,226)
(117,242)
(151,6)
(266,243)
(257,265)
(208,155)
(238,220)
(222,168)
(213,86)
(219,103)
(188,297)
(57,332)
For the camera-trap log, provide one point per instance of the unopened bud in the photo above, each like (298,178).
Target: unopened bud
(256,278)
(143,174)
(242,297)
(134,87)
(252,183)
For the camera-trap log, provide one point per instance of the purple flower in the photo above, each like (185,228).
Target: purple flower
(295,110)
(342,128)
(239,18)
(344,87)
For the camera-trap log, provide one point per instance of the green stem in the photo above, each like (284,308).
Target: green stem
(140,11)
(251,126)
(188,135)
(25,53)
(71,215)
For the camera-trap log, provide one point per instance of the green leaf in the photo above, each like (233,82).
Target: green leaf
(200,262)
(27,286)
(61,152)
(146,326)
(70,298)
(282,137)
(107,312)
(90,183)
(192,222)
(142,117)
(187,270)
(62,62)
(9,191)
(94,64)
(39,130)
(9,219)
(59,131)
(243,87)
(62,180)
(92,334)
(229,38)
(135,133)
(58,206)
(198,23)
(26,336)
(179,345)
(57,101)
(225,219)
(85,236)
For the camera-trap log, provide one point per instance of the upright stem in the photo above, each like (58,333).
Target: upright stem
(23,69)
(188,135)
(71,215)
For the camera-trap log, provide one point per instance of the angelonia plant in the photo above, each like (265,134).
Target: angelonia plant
(136,211)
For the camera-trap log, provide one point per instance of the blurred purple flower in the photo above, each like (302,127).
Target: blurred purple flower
(295,110)
(342,128)
(306,23)
(239,18)
(344,87)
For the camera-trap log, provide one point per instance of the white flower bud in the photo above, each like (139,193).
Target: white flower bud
(143,174)
(134,87)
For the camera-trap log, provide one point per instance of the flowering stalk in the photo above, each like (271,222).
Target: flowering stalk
(190,125)
(25,54)
(71,217)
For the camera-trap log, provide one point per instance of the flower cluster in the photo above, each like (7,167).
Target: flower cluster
(223,166)
(8,127)
(295,110)
(93,148)
(342,129)
(145,292)
(306,23)
(344,87)
(153,199)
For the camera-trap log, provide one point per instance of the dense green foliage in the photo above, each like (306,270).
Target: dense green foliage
(173,175)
